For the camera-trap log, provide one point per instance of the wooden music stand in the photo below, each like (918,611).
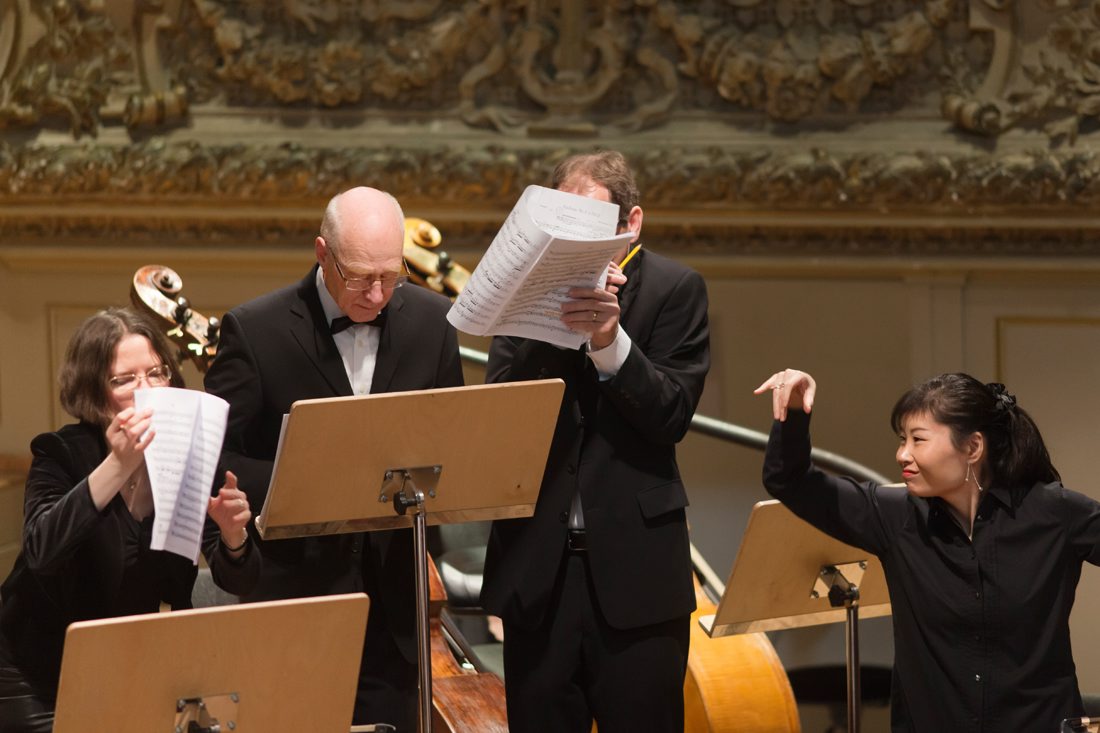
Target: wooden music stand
(788,574)
(252,668)
(457,454)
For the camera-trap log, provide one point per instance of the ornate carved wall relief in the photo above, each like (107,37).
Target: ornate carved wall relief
(742,116)
(517,66)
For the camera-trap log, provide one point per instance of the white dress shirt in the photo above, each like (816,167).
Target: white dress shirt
(358,345)
(608,361)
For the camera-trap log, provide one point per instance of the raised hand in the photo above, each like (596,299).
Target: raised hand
(129,433)
(593,311)
(230,511)
(791,389)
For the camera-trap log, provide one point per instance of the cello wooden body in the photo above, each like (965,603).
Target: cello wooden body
(735,683)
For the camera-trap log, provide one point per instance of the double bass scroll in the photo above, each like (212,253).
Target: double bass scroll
(156,290)
(428,267)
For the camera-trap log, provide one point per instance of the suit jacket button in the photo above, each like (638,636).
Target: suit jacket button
(563,517)
(571,469)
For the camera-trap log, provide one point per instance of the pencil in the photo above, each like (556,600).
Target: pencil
(633,252)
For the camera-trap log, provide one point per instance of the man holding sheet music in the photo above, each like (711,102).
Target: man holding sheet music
(595,590)
(348,328)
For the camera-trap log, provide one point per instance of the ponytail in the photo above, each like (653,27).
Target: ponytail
(1022,459)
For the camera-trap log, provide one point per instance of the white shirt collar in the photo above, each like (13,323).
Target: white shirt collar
(328,305)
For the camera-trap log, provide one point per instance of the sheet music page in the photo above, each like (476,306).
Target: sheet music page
(498,276)
(262,518)
(550,242)
(182,459)
(570,216)
(535,311)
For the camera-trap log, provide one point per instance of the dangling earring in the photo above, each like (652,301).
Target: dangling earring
(980,489)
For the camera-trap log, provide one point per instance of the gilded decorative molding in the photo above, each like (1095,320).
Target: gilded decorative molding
(1039,182)
(172,105)
(575,67)
(819,201)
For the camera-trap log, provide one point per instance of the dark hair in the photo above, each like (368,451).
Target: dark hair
(1017,456)
(90,354)
(607,168)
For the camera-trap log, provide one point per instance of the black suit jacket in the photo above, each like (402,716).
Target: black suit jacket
(277,349)
(74,565)
(615,443)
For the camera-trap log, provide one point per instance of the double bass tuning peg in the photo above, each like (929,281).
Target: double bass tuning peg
(182,312)
(213,327)
(445,263)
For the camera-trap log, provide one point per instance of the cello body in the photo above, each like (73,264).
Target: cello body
(735,684)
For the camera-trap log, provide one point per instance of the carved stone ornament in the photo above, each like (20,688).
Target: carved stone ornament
(1036,182)
(724,200)
(737,114)
(550,67)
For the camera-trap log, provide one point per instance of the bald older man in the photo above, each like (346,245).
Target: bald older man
(348,328)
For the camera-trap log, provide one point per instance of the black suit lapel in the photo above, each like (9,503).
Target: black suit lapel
(629,291)
(390,345)
(309,327)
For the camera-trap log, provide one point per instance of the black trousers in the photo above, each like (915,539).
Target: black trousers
(387,686)
(575,668)
(387,689)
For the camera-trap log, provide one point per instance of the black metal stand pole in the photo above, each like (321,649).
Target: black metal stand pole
(420,551)
(851,657)
(401,503)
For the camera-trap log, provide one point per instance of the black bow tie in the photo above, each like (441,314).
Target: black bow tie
(343,322)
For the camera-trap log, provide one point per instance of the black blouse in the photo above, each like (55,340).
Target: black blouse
(78,563)
(981,627)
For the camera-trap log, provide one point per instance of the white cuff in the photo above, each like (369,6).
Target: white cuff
(609,360)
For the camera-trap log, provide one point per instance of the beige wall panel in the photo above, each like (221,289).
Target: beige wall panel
(1046,298)
(936,324)
(1051,365)
(853,336)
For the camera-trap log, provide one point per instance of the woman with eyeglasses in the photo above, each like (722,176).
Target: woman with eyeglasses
(982,549)
(88,517)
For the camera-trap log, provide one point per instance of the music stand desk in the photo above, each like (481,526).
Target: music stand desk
(290,665)
(773,576)
(454,454)
(478,452)
(788,574)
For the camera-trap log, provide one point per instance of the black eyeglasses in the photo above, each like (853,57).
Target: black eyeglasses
(388,280)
